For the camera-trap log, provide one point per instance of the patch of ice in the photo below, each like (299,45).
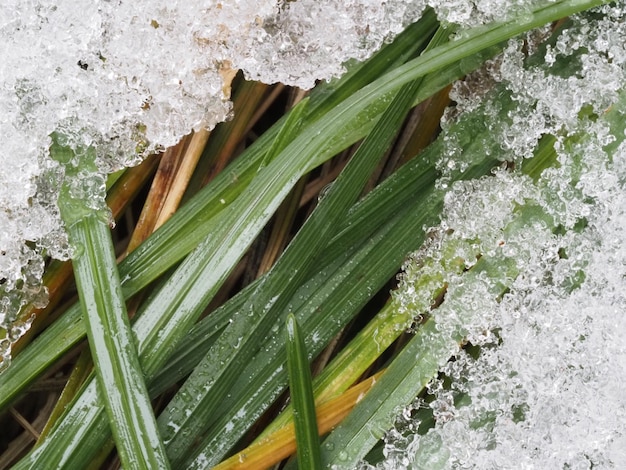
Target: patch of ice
(539,385)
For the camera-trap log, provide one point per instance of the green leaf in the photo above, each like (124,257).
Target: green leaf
(307,438)
(113,348)
(111,342)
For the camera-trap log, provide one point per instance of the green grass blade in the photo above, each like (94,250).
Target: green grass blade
(113,348)
(301,390)
(60,337)
(407,45)
(418,362)
(81,372)
(65,446)
(112,345)
(474,41)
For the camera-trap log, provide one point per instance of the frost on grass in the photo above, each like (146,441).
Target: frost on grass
(121,79)
(535,266)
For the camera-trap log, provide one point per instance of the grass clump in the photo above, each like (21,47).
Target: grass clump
(302,214)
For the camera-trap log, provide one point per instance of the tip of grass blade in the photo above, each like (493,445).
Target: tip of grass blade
(301,388)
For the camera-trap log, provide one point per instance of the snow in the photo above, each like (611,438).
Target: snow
(545,389)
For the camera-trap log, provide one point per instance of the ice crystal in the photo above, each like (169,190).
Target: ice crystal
(538,384)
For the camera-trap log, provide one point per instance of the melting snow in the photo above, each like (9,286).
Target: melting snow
(545,391)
